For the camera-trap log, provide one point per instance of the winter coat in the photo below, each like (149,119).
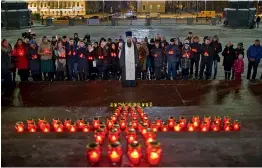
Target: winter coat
(217,48)
(114,59)
(229,56)
(5,59)
(186,57)
(103,58)
(81,52)
(71,53)
(45,51)
(208,49)
(158,56)
(142,58)
(173,53)
(238,66)
(239,51)
(19,53)
(60,59)
(195,48)
(34,60)
(254,52)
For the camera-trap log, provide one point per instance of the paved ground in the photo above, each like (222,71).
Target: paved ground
(247,36)
(76,100)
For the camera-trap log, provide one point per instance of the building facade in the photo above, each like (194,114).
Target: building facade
(151,6)
(58,8)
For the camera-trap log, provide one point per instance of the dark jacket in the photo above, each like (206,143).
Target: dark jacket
(71,52)
(258,19)
(34,60)
(195,48)
(5,59)
(209,50)
(186,57)
(255,52)
(173,53)
(81,52)
(217,48)
(229,56)
(158,56)
(239,51)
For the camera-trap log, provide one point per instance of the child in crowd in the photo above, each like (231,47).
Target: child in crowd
(82,61)
(238,67)
(238,50)
(185,61)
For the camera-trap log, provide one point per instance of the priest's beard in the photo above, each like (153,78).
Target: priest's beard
(129,44)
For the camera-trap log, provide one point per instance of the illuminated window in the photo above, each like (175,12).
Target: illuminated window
(34,4)
(144,7)
(77,4)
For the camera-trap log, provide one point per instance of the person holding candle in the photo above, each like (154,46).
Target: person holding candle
(102,62)
(185,61)
(60,62)
(19,53)
(229,58)
(47,66)
(142,54)
(114,61)
(195,57)
(158,54)
(34,61)
(91,62)
(72,60)
(82,61)
(217,48)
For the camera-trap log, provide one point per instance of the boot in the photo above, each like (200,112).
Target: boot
(76,76)
(228,77)
(81,76)
(233,76)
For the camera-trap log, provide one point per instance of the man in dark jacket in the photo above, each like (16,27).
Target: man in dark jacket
(158,56)
(189,37)
(254,54)
(195,57)
(172,52)
(72,60)
(258,21)
(207,53)
(217,48)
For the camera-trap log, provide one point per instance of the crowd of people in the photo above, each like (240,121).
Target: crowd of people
(80,59)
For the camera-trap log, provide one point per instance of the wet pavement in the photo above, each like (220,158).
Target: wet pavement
(170,98)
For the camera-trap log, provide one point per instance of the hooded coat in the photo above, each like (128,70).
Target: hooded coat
(195,48)
(158,56)
(229,57)
(34,60)
(217,48)
(186,56)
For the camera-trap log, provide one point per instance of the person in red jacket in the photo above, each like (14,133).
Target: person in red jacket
(19,53)
(238,67)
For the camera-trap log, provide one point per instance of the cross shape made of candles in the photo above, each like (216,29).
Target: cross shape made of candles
(130,120)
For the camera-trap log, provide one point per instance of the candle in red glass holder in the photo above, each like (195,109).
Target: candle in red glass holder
(117,127)
(144,130)
(154,127)
(207,119)
(40,121)
(93,153)
(134,152)
(96,123)
(19,126)
(31,127)
(80,122)
(134,123)
(131,135)
(227,119)
(59,127)
(113,117)
(45,127)
(190,126)
(215,127)
(72,127)
(115,152)
(150,136)
(154,152)
(164,127)
(99,136)
(177,127)
(122,123)
(55,121)
(171,121)
(134,116)
(146,121)
(158,122)
(113,136)
(236,125)
(123,116)
(103,127)
(67,122)
(86,127)
(204,126)
(227,127)
(217,120)
(196,121)
(30,120)
(182,121)
(110,124)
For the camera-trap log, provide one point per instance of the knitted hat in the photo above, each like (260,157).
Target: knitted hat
(240,44)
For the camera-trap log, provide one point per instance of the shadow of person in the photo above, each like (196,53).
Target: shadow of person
(222,89)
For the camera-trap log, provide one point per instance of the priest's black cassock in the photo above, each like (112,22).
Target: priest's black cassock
(128,62)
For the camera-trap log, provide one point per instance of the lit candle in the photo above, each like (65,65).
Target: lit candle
(190,126)
(31,127)
(150,136)
(134,152)
(217,120)
(113,136)
(144,131)
(80,122)
(134,116)
(117,127)
(96,123)
(204,127)
(86,127)
(113,117)
(99,136)
(215,127)
(110,124)
(227,119)
(182,121)
(19,126)
(93,153)
(154,153)
(45,127)
(67,122)
(103,127)
(146,121)
(59,127)
(134,123)
(164,127)
(30,120)
(236,125)
(171,121)
(177,127)
(115,152)
(207,119)
(55,121)
(196,121)
(122,123)
(131,136)
(72,127)
(227,127)
(40,121)
(154,127)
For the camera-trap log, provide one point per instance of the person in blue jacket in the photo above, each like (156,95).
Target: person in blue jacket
(72,60)
(254,54)
(172,53)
